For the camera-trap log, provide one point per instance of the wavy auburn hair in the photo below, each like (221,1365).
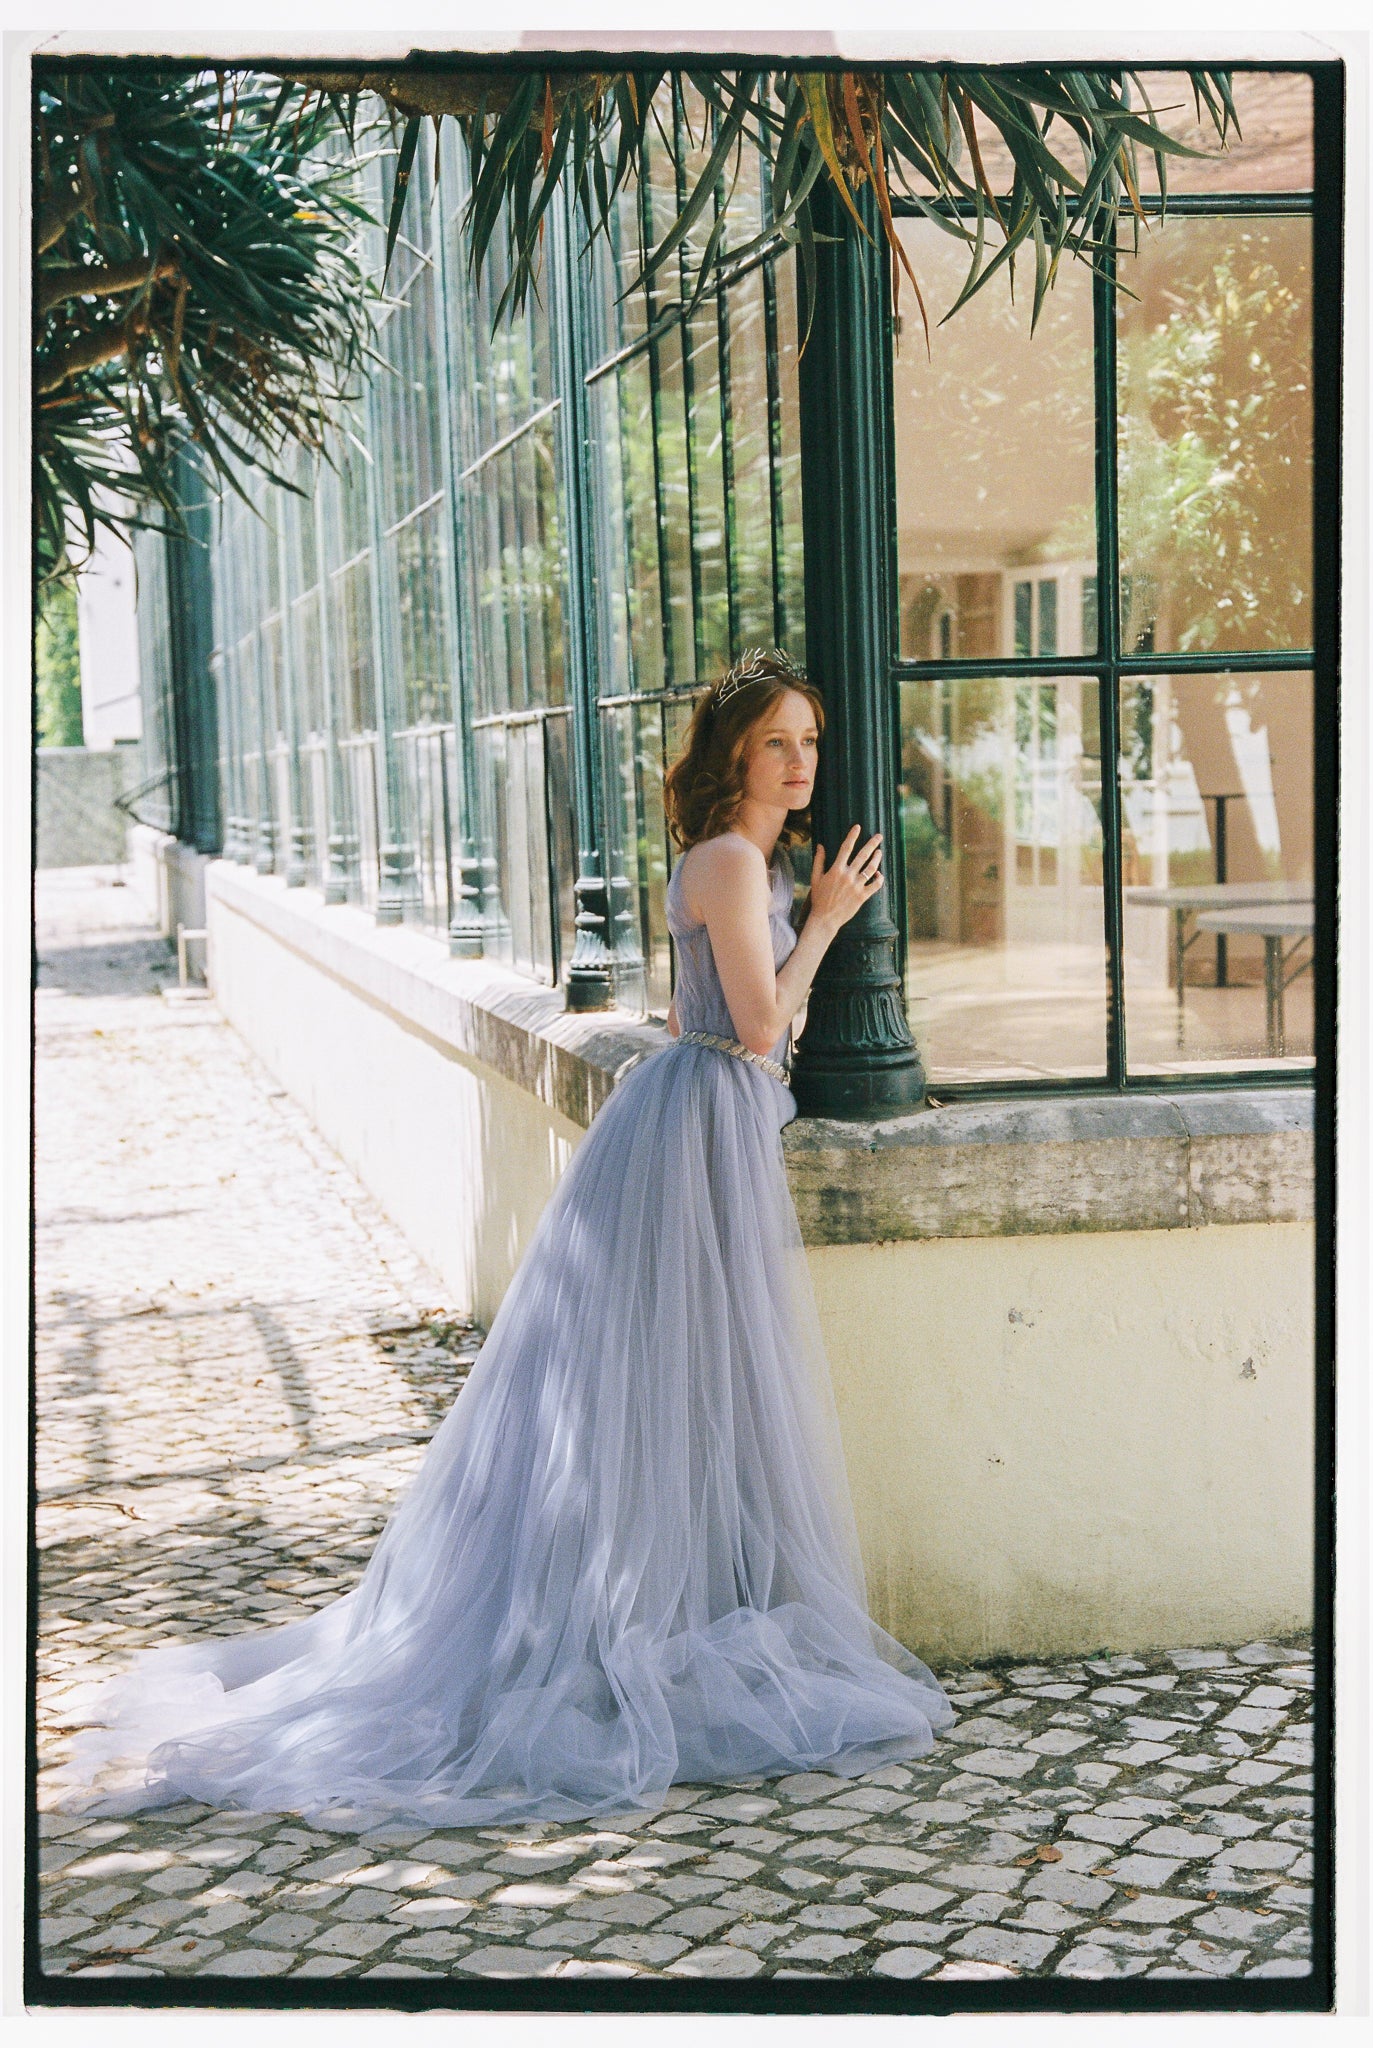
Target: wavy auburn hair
(704,787)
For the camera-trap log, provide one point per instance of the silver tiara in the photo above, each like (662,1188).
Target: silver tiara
(755,665)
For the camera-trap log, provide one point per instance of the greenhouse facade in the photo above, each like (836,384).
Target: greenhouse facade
(1062,582)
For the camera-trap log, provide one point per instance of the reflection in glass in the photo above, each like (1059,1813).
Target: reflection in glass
(995,466)
(674,505)
(750,460)
(1215,436)
(1000,796)
(1272,152)
(1216,803)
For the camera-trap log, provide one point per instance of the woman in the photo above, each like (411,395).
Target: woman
(629,1556)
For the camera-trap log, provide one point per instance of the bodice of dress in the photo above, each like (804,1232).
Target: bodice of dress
(701,1004)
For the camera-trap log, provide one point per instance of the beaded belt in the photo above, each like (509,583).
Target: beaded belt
(740,1052)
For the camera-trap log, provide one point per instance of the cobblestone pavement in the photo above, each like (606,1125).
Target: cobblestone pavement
(240,1363)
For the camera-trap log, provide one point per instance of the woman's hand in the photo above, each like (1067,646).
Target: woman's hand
(839,892)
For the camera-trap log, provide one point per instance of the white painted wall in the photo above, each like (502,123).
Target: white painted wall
(460,1158)
(1056,1443)
(1072,1442)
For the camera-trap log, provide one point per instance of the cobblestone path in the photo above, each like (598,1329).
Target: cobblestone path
(240,1362)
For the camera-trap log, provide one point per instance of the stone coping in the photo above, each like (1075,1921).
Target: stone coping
(969,1169)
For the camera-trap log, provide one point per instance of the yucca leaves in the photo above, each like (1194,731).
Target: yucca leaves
(215,219)
(194,281)
(1073,137)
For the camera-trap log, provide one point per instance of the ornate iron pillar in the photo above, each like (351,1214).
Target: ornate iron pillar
(589,980)
(856,1055)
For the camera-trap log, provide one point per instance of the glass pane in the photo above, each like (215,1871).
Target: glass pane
(350,644)
(707,445)
(651,856)
(306,657)
(1000,798)
(790,554)
(562,834)
(493,838)
(751,456)
(995,463)
(1216,806)
(622,831)
(674,501)
(1271,153)
(419,551)
(1215,436)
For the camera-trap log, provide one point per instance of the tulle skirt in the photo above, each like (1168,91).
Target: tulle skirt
(628,1558)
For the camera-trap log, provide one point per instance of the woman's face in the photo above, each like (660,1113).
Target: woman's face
(782,751)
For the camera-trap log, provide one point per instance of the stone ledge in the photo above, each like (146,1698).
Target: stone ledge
(969,1169)
(981,1169)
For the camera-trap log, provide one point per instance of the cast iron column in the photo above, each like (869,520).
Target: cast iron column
(856,1056)
(589,981)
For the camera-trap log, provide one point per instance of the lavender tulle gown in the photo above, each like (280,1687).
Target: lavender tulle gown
(629,1556)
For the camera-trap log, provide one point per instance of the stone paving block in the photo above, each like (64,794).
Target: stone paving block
(351,1938)
(716,1962)
(1144,1871)
(652,1948)
(623,1909)
(878,1856)
(286,1930)
(1017,1950)
(249,1962)
(217,1919)
(757,1899)
(1000,1763)
(694,1922)
(1156,1907)
(560,1933)
(980,1877)
(757,1935)
(1089,1960)
(1258,1855)
(905,1962)
(897,1931)
(819,1948)
(510,1962)
(1069,1888)
(913,1898)
(978,1906)
(836,1919)
(184,1952)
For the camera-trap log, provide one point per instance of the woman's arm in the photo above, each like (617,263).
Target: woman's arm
(731,892)
(674,1027)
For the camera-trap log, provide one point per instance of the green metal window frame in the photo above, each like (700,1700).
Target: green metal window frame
(857,1052)
(1110,666)
(636,935)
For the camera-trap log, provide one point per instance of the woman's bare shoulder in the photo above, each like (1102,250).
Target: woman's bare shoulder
(716,868)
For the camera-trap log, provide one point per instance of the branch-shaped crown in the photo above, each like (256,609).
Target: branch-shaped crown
(755,665)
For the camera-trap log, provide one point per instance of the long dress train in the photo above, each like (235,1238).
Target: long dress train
(629,1556)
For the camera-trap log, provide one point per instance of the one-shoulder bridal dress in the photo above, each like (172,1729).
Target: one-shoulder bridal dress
(629,1555)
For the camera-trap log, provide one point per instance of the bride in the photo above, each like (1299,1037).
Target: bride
(629,1556)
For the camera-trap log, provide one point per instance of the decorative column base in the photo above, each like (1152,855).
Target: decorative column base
(467,929)
(590,976)
(336,869)
(264,852)
(396,891)
(856,1056)
(297,858)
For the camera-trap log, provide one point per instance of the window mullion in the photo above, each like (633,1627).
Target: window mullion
(1108,648)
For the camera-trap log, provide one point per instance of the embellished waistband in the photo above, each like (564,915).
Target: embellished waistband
(739,1052)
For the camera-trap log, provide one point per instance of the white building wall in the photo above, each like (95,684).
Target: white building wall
(108,633)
